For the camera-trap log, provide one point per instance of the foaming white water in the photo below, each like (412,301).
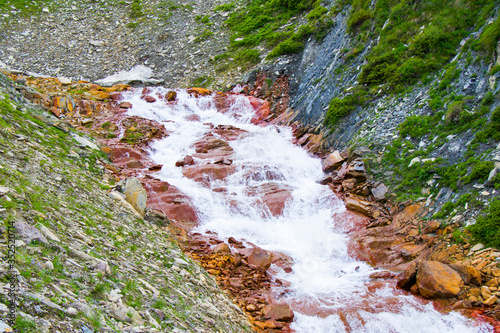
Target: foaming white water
(329,291)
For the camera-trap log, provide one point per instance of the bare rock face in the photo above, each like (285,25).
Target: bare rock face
(438,280)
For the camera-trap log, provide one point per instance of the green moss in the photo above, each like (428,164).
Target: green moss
(480,171)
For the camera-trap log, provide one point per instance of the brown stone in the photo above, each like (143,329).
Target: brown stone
(438,280)
(260,258)
(126,105)
(332,161)
(279,312)
(464,271)
(382,275)
(431,227)
(171,96)
(490,300)
(485,292)
(222,248)
(358,205)
(149,99)
(408,277)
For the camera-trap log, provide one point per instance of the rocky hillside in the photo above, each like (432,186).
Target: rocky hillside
(86,259)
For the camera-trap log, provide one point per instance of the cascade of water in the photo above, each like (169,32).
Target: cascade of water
(330,291)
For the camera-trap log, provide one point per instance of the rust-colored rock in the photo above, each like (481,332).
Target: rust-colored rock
(260,258)
(332,161)
(222,248)
(438,280)
(430,227)
(382,275)
(279,312)
(358,205)
(409,277)
(149,99)
(468,273)
(126,105)
(199,92)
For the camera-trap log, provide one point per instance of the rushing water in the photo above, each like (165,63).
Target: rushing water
(329,291)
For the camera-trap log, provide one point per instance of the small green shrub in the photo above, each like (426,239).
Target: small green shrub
(357,18)
(480,171)
(487,227)
(415,126)
(339,108)
(489,38)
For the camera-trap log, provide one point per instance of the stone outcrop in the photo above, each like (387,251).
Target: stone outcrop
(437,280)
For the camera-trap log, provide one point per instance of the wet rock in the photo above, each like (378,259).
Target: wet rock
(438,280)
(279,312)
(382,275)
(125,105)
(260,258)
(170,96)
(135,194)
(332,161)
(409,277)
(273,195)
(208,172)
(358,205)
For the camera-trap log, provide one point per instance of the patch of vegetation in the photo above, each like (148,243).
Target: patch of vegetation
(415,38)
(202,81)
(341,107)
(487,227)
(269,22)
(25,7)
(136,9)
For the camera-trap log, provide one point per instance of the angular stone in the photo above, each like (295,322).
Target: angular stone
(408,277)
(279,312)
(28,233)
(332,161)
(260,258)
(222,248)
(485,292)
(467,273)
(431,227)
(379,192)
(437,280)
(357,205)
(49,234)
(135,194)
(490,300)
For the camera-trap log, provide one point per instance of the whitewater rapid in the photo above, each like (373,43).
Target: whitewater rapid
(329,291)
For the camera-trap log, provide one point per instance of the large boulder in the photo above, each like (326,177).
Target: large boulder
(135,194)
(438,280)
(260,258)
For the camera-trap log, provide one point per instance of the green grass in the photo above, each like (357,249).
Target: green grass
(341,107)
